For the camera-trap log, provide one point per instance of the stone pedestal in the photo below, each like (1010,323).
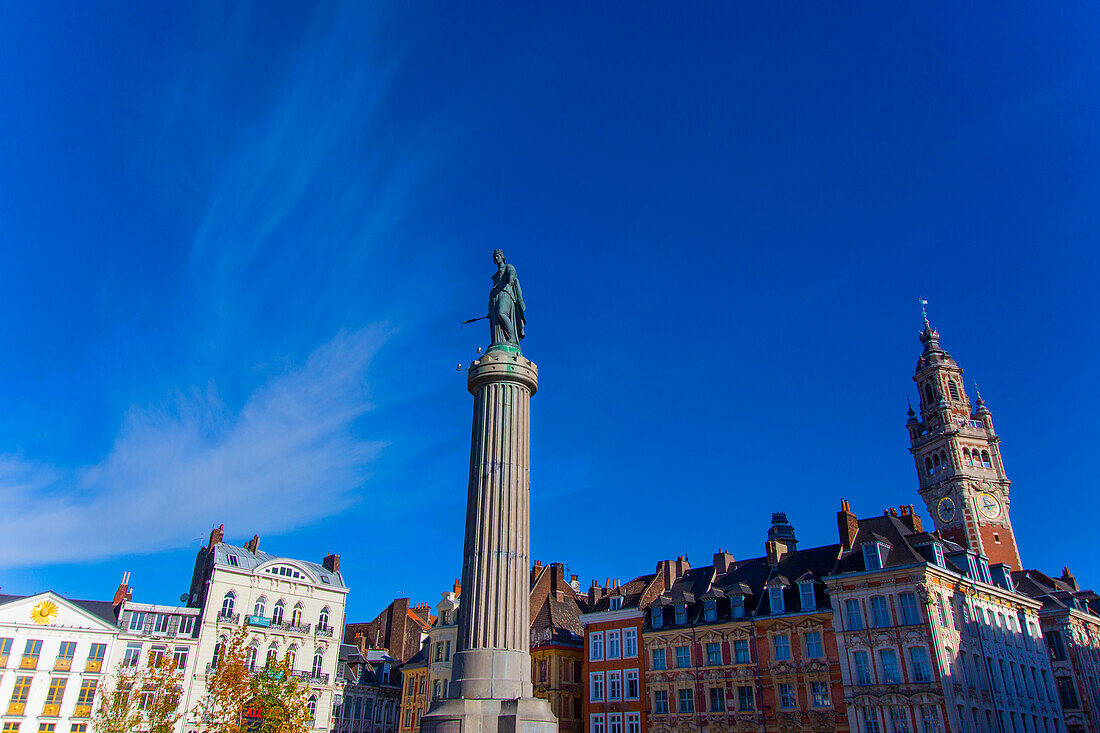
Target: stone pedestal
(491,687)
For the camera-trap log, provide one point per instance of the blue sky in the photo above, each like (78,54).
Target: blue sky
(239,239)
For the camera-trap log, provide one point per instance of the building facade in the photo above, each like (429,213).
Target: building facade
(369,692)
(54,655)
(399,629)
(290,607)
(557,644)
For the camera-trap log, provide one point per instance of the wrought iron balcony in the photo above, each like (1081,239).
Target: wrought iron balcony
(229,618)
(324,631)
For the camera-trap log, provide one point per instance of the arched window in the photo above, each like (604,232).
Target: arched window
(986,462)
(296,615)
(318,663)
(260,607)
(929,394)
(272,655)
(277,613)
(966,457)
(290,654)
(311,706)
(228,603)
(322,620)
(217,653)
(943,459)
(250,658)
(928,465)
(935,463)
(953,389)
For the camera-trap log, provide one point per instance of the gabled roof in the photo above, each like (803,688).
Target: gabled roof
(245,560)
(631,591)
(101,610)
(893,533)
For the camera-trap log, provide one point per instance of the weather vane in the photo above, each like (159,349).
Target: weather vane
(923,309)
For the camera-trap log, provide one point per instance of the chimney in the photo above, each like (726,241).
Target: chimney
(722,561)
(781,539)
(682,565)
(557,580)
(457,588)
(847,525)
(216,535)
(908,516)
(331,562)
(1068,579)
(123,593)
(252,544)
(536,568)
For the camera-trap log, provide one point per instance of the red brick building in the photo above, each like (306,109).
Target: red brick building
(398,629)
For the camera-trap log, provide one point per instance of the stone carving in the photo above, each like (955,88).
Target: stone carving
(507,321)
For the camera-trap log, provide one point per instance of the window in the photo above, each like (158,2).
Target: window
(786,695)
(937,554)
(179,657)
(439,652)
(227,604)
(986,462)
(870,721)
(633,723)
(1066,693)
(47,727)
(862,665)
(683,656)
(819,694)
(656,617)
(814,647)
(86,696)
(56,691)
(137,621)
(922,669)
(322,618)
(595,645)
(686,700)
(615,685)
(953,389)
(681,613)
(131,655)
(277,613)
(880,612)
(746,700)
(597,724)
(160,623)
(11,726)
(96,653)
(929,719)
(775,599)
(909,613)
(741,651)
(250,657)
(187,626)
(872,558)
(595,680)
(891,674)
(714,654)
(19,694)
(782,648)
(616,603)
(311,708)
(899,721)
(1054,642)
(717,700)
(630,643)
(806,597)
(318,663)
(660,702)
(710,610)
(737,606)
(942,611)
(855,617)
(260,609)
(156,655)
(632,684)
(614,650)
(5,650)
(78,728)
(145,700)
(296,615)
(659,659)
(615,723)
(272,656)
(65,654)
(31,652)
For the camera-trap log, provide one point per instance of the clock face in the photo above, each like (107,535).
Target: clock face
(988,505)
(946,509)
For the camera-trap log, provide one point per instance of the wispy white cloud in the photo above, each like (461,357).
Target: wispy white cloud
(288,457)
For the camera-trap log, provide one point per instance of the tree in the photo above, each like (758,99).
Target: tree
(140,698)
(240,700)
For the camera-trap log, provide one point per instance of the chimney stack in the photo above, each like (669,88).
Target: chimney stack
(216,535)
(252,544)
(907,513)
(723,561)
(1068,579)
(557,579)
(331,563)
(536,568)
(847,525)
(123,593)
(457,587)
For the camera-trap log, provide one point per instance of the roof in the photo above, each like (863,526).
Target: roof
(245,560)
(1055,593)
(103,610)
(905,545)
(631,592)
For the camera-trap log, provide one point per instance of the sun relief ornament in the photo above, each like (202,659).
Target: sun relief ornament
(44,612)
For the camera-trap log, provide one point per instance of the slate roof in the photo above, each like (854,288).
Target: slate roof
(631,592)
(250,561)
(1054,593)
(103,610)
(906,547)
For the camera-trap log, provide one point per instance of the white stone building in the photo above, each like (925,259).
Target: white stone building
(54,653)
(290,607)
(442,641)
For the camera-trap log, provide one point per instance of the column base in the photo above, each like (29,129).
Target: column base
(463,715)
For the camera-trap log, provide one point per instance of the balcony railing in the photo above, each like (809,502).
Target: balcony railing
(51,710)
(229,618)
(28,663)
(16,708)
(93,665)
(82,711)
(323,631)
(293,628)
(3,660)
(63,664)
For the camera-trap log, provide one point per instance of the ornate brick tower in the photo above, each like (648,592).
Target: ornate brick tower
(958,457)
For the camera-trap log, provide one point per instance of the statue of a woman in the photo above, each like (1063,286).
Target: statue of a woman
(506,319)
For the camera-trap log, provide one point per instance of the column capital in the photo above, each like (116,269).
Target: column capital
(503,365)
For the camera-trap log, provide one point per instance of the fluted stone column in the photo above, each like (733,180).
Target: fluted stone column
(491,685)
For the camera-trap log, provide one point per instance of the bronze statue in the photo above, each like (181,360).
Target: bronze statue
(506,308)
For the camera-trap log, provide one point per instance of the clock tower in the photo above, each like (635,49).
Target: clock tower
(958,458)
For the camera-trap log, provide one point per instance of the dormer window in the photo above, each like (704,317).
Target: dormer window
(775,599)
(656,617)
(616,603)
(737,606)
(806,596)
(937,555)
(681,613)
(983,571)
(710,610)
(872,556)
